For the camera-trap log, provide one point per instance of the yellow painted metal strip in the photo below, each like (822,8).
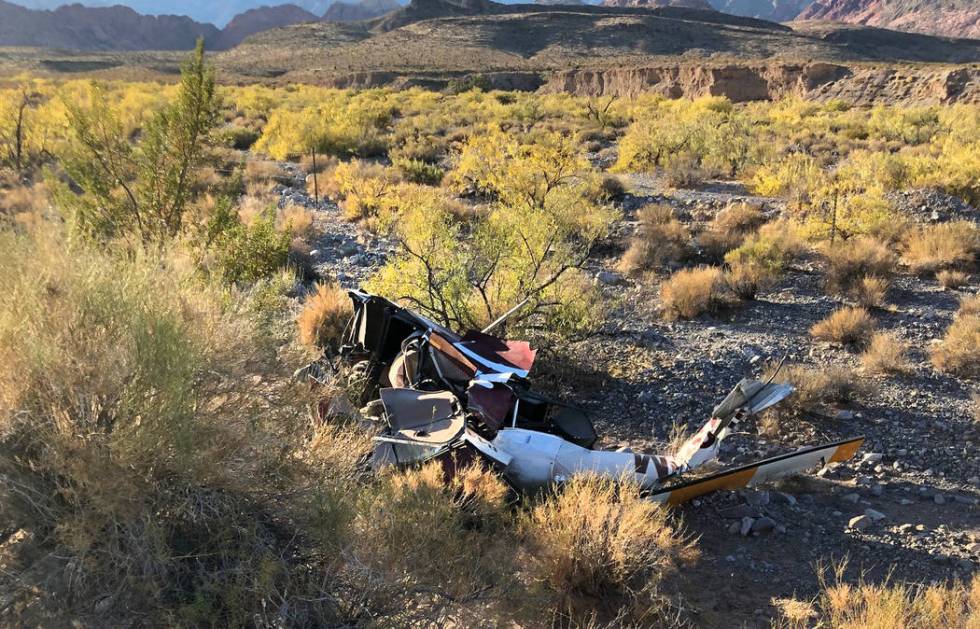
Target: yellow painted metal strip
(730,481)
(845,451)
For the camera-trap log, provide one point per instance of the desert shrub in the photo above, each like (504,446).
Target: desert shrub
(728,229)
(761,259)
(249,252)
(237,137)
(887,605)
(528,247)
(135,445)
(611,188)
(847,326)
(342,124)
(687,141)
(363,189)
(660,239)
(851,262)
(951,280)
(945,245)
(599,544)
(295,220)
(747,279)
(324,316)
(417,171)
(691,292)
(959,351)
(886,354)
(138,191)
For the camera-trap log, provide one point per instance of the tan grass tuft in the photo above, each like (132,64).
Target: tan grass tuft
(946,245)
(324,316)
(870,292)
(660,239)
(691,292)
(729,228)
(886,354)
(847,326)
(597,541)
(295,219)
(850,263)
(951,280)
(958,353)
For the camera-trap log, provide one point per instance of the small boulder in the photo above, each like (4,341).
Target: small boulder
(860,523)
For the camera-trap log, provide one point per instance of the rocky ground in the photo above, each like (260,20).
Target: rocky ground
(906,506)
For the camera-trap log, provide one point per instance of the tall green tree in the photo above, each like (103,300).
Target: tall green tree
(139,189)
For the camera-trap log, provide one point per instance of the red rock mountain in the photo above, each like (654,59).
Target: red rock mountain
(952,18)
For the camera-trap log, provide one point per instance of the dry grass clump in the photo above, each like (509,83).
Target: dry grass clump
(324,316)
(260,171)
(295,219)
(660,239)
(842,605)
(932,248)
(22,199)
(855,265)
(958,353)
(817,388)
(969,306)
(599,544)
(870,292)
(886,354)
(847,326)
(691,292)
(729,228)
(433,532)
(951,280)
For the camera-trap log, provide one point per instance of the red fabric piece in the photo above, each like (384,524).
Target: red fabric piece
(517,354)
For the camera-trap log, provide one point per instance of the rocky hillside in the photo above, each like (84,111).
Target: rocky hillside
(952,18)
(258,20)
(363,10)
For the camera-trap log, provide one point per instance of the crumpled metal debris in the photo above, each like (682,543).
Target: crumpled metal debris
(464,397)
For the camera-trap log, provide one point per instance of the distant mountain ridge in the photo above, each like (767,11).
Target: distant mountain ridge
(364,10)
(77,27)
(703,5)
(109,28)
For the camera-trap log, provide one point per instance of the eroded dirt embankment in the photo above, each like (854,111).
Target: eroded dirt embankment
(740,83)
(861,85)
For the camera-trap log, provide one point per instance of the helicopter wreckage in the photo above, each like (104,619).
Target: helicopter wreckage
(440,396)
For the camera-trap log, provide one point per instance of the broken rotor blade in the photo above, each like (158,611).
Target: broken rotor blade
(760,472)
(768,396)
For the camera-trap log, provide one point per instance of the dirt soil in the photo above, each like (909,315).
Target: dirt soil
(640,375)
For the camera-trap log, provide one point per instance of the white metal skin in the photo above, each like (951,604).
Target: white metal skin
(536,459)
(539,459)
